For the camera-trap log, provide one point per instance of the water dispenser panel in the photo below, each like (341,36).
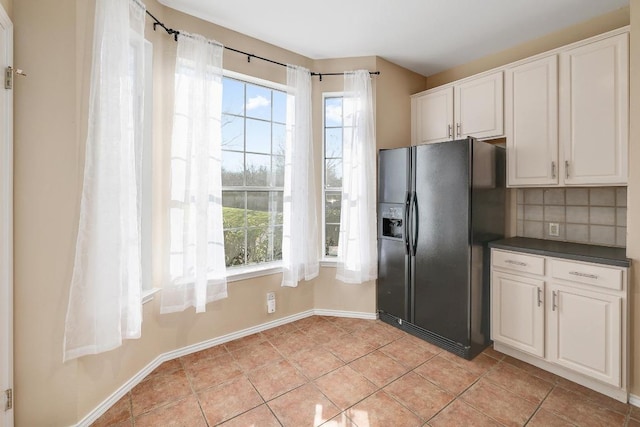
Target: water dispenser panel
(393,221)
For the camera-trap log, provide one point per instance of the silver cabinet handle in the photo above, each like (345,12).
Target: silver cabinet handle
(554,302)
(587,275)
(450,131)
(566,168)
(553,169)
(539,297)
(520,263)
(459,129)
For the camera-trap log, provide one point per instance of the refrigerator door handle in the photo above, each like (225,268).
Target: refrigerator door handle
(414,222)
(407,229)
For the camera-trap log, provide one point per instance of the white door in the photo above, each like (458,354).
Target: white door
(433,117)
(531,112)
(594,112)
(517,310)
(478,107)
(585,332)
(6,223)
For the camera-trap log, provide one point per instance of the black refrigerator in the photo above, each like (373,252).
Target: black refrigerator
(439,205)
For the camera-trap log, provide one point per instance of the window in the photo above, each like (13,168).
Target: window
(333,132)
(253,144)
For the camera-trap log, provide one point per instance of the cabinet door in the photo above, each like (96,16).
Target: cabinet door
(531,111)
(432,117)
(517,312)
(585,332)
(478,106)
(594,112)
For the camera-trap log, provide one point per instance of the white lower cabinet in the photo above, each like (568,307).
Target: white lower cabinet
(518,314)
(584,332)
(568,317)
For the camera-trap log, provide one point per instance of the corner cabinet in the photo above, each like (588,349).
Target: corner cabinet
(567,115)
(471,107)
(568,317)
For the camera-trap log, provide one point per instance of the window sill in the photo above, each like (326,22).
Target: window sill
(329,262)
(242,273)
(147,295)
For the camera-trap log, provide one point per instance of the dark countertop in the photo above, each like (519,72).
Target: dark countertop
(572,251)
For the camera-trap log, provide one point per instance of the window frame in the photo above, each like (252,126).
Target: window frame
(244,272)
(325,260)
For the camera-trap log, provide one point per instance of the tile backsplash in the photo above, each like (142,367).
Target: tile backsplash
(585,215)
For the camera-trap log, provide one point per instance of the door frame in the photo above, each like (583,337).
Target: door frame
(6,227)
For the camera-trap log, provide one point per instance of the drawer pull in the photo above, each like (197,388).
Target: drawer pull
(539,297)
(579,274)
(520,263)
(554,303)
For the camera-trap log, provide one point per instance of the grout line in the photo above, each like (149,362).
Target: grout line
(193,390)
(495,366)
(539,407)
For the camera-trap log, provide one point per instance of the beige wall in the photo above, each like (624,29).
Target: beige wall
(598,25)
(633,196)
(53,44)
(393,108)
(45,207)
(7,5)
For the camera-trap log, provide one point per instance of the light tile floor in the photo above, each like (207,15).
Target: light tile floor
(357,373)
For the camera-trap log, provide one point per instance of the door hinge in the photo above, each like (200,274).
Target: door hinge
(8,78)
(9,395)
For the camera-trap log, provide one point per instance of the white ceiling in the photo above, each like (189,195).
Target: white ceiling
(426,36)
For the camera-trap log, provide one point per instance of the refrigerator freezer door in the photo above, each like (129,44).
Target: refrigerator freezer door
(393,259)
(441,275)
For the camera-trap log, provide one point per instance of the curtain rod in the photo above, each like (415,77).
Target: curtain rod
(175,34)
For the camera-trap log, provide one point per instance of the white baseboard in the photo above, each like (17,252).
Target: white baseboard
(136,379)
(350,314)
(634,400)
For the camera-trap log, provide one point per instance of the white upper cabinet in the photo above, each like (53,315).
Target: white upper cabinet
(478,107)
(594,112)
(473,107)
(531,122)
(432,117)
(567,120)
(565,113)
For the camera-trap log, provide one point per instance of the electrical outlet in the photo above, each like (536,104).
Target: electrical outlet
(554,229)
(271,302)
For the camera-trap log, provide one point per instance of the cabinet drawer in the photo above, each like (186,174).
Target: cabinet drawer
(596,275)
(518,262)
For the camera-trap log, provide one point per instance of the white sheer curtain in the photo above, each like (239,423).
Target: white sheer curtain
(105,296)
(357,246)
(197,273)
(300,249)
